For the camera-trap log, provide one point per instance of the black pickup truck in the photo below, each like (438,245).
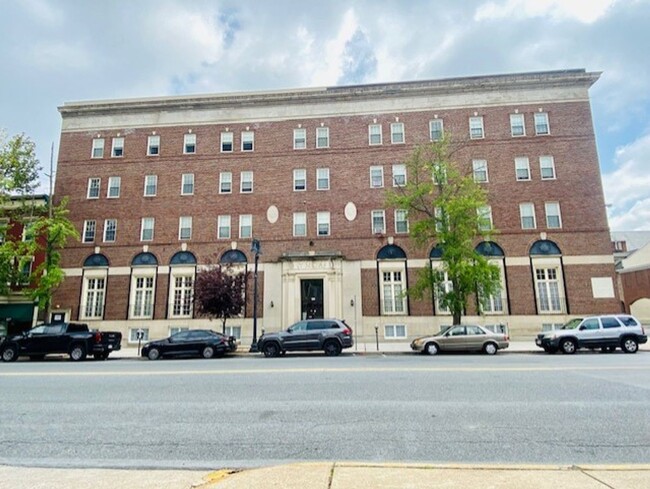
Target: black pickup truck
(75,339)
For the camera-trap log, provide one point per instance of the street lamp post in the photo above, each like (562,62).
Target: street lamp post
(255,248)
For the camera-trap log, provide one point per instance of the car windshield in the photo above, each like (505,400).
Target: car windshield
(573,324)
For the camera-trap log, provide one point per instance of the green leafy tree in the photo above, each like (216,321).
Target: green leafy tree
(446,206)
(219,292)
(18,166)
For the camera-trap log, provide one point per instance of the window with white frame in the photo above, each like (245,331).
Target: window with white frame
(26,264)
(522,168)
(397,132)
(94,185)
(185,227)
(517,126)
(133,335)
(234,331)
(89,230)
(246,182)
(146,229)
(299,224)
(110,230)
(29,230)
(553,217)
(548,289)
(480,171)
(300,138)
(527,214)
(392,287)
(322,137)
(153,145)
(394,331)
(476,128)
(378,218)
(98,148)
(189,144)
(150,185)
(245,226)
(441,219)
(223,227)
(376,176)
(323,223)
(299,180)
(547,167)
(436,130)
(142,295)
(177,329)
(187,184)
(443,287)
(118,148)
(494,304)
(401,221)
(225,182)
(374,134)
(93,297)
(247,141)
(399,175)
(484,218)
(227,141)
(114,184)
(322,178)
(182,295)
(541,124)
(439,173)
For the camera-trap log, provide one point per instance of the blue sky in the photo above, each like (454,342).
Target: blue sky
(53,52)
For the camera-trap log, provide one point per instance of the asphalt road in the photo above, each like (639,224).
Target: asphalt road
(252,411)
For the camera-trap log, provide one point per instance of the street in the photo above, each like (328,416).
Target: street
(251,411)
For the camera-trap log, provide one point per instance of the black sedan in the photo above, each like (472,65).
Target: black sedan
(192,343)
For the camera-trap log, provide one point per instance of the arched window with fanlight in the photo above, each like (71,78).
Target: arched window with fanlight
(144,267)
(93,293)
(391,269)
(496,303)
(548,276)
(182,270)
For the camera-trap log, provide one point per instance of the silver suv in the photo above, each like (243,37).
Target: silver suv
(605,332)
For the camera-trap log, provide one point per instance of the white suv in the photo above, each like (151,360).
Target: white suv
(605,332)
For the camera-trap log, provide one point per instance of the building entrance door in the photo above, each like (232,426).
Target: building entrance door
(311,298)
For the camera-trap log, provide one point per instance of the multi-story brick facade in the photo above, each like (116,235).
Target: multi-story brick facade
(160,186)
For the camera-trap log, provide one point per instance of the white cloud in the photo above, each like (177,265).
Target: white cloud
(586,11)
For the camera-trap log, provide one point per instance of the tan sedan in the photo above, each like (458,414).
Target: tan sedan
(462,337)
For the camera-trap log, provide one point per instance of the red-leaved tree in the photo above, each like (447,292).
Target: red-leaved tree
(219,292)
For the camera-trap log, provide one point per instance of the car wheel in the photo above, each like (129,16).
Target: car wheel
(208,352)
(271,349)
(629,345)
(332,348)
(10,354)
(154,354)
(490,348)
(431,349)
(568,346)
(36,357)
(77,353)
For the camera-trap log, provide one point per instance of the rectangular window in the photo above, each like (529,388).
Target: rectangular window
(187,184)
(522,168)
(547,167)
(98,148)
(173,330)
(376,176)
(527,213)
(399,175)
(95,291)
(93,187)
(150,185)
(442,288)
(223,227)
(299,180)
(299,138)
(133,335)
(480,171)
(378,222)
(185,227)
(146,229)
(517,127)
(246,182)
(227,142)
(110,230)
(225,182)
(245,226)
(247,140)
(374,134)
(392,288)
(89,231)
(553,217)
(143,297)
(436,130)
(299,224)
(153,145)
(189,144)
(322,178)
(439,176)
(182,294)
(29,231)
(548,290)
(323,223)
(440,218)
(541,124)
(118,147)
(394,331)
(322,137)
(397,132)
(234,331)
(401,221)
(484,218)
(114,184)
(476,128)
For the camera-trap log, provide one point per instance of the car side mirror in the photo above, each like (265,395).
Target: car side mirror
(582,328)
(289,330)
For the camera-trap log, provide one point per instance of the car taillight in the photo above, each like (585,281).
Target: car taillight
(347,331)
(98,337)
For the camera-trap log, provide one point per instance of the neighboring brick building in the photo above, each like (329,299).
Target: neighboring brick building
(159,185)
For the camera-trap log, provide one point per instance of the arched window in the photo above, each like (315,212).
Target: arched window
(144,268)
(548,276)
(93,291)
(233,256)
(181,285)
(391,269)
(496,303)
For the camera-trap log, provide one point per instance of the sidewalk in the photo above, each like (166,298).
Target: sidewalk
(337,475)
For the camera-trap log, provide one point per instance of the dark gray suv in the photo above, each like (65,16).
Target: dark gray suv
(329,335)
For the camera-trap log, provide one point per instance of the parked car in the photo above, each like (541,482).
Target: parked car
(191,343)
(461,337)
(606,332)
(329,335)
(75,339)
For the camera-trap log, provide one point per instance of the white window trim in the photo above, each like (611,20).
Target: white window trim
(142,228)
(405,220)
(559,214)
(552,166)
(222,180)
(241,182)
(95,146)
(99,188)
(478,118)
(323,217)
(221,224)
(189,139)
(370,126)
(523,158)
(395,336)
(512,126)
(180,271)
(106,229)
(187,219)
(248,217)
(118,186)
(191,177)
(115,146)
(373,229)
(155,179)
(327,171)
(86,226)
(144,273)
(252,141)
(392,267)
(442,129)
(393,133)
(327,131)
(300,134)
(295,179)
(150,145)
(232,141)
(395,172)
(548,124)
(93,274)
(381,169)
(521,215)
(485,212)
(484,164)
(303,222)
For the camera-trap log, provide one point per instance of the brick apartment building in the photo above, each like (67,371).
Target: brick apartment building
(161,186)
